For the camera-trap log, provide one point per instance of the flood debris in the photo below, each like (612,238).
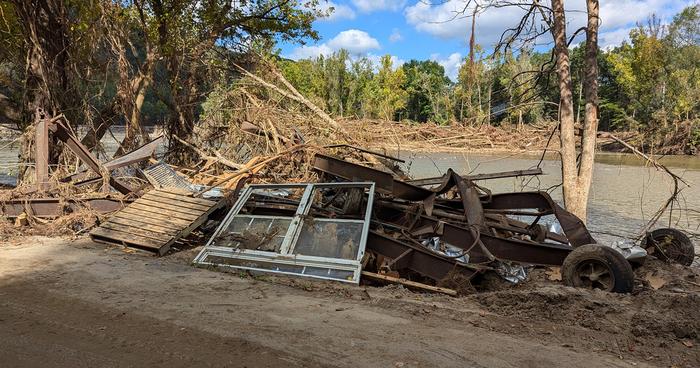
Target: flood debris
(156,220)
(312,230)
(320,209)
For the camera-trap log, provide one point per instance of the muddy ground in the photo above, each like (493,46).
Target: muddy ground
(74,303)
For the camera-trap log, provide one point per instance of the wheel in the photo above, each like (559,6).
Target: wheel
(596,266)
(670,245)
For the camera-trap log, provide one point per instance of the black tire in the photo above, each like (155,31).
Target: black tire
(596,266)
(670,245)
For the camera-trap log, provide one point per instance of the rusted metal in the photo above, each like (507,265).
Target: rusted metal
(139,154)
(63,133)
(488,176)
(41,159)
(375,153)
(476,222)
(55,207)
(385,182)
(420,260)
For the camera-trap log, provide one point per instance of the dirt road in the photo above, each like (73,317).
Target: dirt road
(67,303)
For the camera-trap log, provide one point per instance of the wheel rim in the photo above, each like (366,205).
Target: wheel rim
(669,248)
(594,274)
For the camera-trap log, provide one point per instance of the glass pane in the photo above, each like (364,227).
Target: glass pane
(339,202)
(329,238)
(247,232)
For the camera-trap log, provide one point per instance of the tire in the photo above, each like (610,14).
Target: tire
(596,266)
(670,245)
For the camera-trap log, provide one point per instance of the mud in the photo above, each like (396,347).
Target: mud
(70,303)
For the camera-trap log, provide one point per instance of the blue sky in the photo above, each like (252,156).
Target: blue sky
(412,29)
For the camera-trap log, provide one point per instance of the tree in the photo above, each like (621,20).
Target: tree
(425,84)
(387,94)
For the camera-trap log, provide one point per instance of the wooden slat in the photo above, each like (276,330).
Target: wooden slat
(183,208)
(182,201)
(190,216)
(159,227)
(136,214)
(413,284)
(154,200)
(127,238)
(138,233)
(155,221)
(183,198)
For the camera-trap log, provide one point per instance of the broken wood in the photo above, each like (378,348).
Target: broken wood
(413,284)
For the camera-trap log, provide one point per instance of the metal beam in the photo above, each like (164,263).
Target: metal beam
(497,175)
(419,260)
(55,207)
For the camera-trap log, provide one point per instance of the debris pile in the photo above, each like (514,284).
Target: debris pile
(306,200)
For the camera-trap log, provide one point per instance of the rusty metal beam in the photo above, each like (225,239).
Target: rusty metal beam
(497,175)
(64,134)
(140,154)
(385,182)
(505,249)
(41,159)
(55,207)
(420,260)
(375,153)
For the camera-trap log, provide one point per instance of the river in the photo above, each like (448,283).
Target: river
(624,194)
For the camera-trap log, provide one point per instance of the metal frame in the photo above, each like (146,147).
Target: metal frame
(285,256)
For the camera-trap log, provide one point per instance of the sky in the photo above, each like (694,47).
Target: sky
(431,29)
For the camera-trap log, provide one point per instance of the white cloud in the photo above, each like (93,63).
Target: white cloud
(610,39)
(356,42)
(368,6)
(449,20)
(376,60)
(340,11)
(395,36)
(451,64)
(310,51)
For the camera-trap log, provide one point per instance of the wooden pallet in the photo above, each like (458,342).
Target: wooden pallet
(156,220)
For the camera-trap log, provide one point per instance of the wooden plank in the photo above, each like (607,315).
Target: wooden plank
(183,198)
(177,207)
(178,200)
(158,227)
(137,233)
(140,215)
(413,284)
(118,236)
(197,223)
(109,241)
(115,232)
(189,216)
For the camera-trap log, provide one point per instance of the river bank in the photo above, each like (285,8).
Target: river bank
(107,307)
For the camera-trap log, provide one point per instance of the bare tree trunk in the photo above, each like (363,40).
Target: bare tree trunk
(577,179)
(590,121)
(566,114)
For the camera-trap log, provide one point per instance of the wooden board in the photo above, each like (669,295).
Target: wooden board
(409,283)
(155,221)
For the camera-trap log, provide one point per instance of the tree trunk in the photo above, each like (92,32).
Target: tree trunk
(577,179)
(590,120)
(46,89)
(566,114)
